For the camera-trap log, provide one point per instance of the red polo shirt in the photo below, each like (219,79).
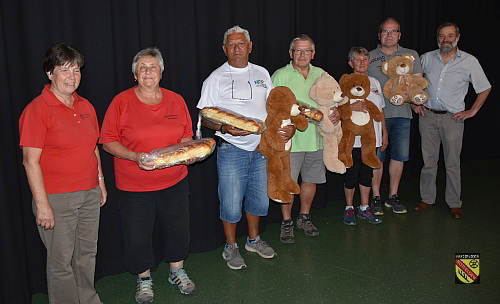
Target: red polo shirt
(68,137)
(142,128)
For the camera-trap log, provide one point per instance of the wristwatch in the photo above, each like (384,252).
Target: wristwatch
(222,129)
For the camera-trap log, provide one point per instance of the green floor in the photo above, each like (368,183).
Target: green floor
(406,259)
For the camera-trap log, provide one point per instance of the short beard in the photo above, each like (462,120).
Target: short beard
(447,49)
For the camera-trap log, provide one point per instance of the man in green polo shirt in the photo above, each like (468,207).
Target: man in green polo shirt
(307,147)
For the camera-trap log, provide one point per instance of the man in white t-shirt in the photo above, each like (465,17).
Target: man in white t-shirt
(359,173)
(241,87)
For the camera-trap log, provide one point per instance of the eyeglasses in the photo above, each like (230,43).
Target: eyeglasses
(305,52)
(387,32)
(241,98)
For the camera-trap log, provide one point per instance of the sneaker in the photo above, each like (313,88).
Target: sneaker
(395,205)
(376,206)
(260,247)
(286,232)
(233,257)
(369,216)
(181,279)
(144,293)
(304,222)
(349,216)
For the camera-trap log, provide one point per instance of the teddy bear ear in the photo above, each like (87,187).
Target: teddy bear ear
(385,67)
(342,79)
(409,56)
(313,92)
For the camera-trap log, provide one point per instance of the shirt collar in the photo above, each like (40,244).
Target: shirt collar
(308,69)
(380,50)
(52,100)
(457,54)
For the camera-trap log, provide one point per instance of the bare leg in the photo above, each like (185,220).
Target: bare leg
(229,232)
(365,193)
(286,211)
(307,193)
(395,173)
(349,196)
(376,180)
(253,225)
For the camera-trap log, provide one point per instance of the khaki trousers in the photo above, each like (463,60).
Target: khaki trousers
(72,246)
(437,129)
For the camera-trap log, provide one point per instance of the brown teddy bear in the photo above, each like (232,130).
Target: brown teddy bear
(402,86)
(282,110)
(356,87)
(326,93)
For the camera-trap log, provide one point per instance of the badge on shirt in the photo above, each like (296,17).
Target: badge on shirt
(260,83)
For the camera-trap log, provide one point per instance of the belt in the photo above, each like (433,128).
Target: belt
(437,112)
(221,141)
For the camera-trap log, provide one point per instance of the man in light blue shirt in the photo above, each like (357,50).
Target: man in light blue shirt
(449,72)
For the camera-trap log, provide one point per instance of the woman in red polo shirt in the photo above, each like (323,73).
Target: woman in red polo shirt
(59,133)
(140,119)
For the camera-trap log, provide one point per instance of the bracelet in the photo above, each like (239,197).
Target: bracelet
(101,177)
(222,131)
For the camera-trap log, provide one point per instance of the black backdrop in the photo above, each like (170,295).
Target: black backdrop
(189,34)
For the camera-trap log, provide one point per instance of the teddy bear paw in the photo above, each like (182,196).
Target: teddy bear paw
(420,99)
(397,100)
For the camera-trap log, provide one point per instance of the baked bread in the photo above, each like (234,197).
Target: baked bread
(235,120)
(180,153)
(311,113)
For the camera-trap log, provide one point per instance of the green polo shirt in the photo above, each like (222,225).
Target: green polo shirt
(309,140)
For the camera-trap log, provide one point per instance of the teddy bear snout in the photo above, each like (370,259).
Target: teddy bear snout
(295,110)
(358,91)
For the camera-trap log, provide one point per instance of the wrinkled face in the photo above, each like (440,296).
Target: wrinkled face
(447,39)
(302,54)
(389,35)
(65,79)
(237,49)
(148,72)
(360,64)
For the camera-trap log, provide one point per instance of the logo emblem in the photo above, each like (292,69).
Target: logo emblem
(467,268)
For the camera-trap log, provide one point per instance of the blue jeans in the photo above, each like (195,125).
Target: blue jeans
(398,129)
(242,182)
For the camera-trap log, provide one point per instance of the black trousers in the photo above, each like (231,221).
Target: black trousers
(140,210)
(359,173)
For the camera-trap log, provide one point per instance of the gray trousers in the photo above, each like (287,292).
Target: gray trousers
(437,129)
(72,246)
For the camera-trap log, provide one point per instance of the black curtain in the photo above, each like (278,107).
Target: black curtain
(189,34)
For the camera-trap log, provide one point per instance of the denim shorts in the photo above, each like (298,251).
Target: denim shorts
(380,155)
(398,129)
(242,182)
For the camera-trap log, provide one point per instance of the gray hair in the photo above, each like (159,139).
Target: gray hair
(381,25)
(236,29)
(149,52)
(357,51)
(301,37)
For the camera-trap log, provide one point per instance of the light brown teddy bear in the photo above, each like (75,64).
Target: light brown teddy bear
(356,87)
(282,110)
(402,86)
(326,93)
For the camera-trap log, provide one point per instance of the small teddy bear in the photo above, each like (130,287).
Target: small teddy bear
(326,93)
(356,87)
(282,110)
(402,86)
